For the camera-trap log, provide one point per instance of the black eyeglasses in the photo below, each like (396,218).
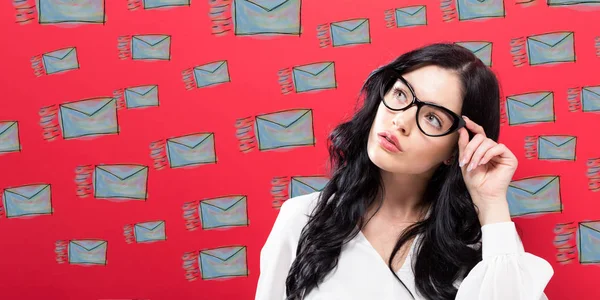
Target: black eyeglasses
(432,119)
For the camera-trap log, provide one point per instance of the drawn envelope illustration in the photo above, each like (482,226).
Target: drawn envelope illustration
(590,98)
(60,60)
(572,2)
(530,108)
(476,9)
(266,17)
(141,96)
(224,212)
(120,181)
(551,48)
(212,73)
(557,147)
(193,149)
(151,46)
(150,4)
(150,231)
(317,76)
(28,200)
(89,117)
(411,16)
(9,137)
(72,11)
(303,185)
(87,252)
(483,50)
(223,262)
(534,195)
(285,129)
(350,32)
(588,242)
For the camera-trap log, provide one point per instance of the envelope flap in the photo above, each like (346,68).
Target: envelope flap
(558,140)
(224,253)
(591,89)
(411,10)
(314,69)
(350,25)
(151,39)
(268,5)
(474,46)
(122,171)
(60,54)
(594,225)
(28,191)
(88,107)
(533,185)
(211,67)
(192,140)
(285,118)
(530,99)
(89,245)
(224,203)
(4,126)
(315,182)
(551,39)
(141,90)
(150,225)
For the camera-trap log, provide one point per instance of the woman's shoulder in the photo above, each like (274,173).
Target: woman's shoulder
(295,212)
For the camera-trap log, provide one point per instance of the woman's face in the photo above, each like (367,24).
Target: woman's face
(418,152)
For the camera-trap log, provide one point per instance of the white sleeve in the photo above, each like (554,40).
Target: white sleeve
(276,257)
(506,270)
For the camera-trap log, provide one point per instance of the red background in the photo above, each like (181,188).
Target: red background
(154,271)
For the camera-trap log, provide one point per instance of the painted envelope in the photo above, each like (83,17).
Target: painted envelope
(303,185)
(551,48)
(590,98)
(151,46)
(483,50)
(254,17)
(477,9)
(317,76)
(223,262)
(72,11)
(211,74)
(411,16)
(285,129)
(557,147)
(350,32)
(28,200)
(224,212)
(534,195)
(121,181)
(88,252)
(193,149)
(150,231)
(588,242)
(89,117)
(9,137)
(150,4)
(60,60)
(530,108)
(141,96)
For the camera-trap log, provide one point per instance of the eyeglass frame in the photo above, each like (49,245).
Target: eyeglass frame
(458,121)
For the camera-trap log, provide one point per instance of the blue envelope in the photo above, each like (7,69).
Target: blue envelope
(303,185)
(551,48)
(534,195)
(212,73)
(89,117)
(530,108)
(141,96)
(150,231)
(477,9)
(557,147)
(587,242)
(483,50)
(193,149)
(87,252)
(411,16)
(572,2)
(151,46)
(266,17)
(590,98)
(28,200)
(9,137)
(223,262)
(72,11)
(317,76)
(224,212)
(60,60)
(285,129)
(121,181)
(350,32)
(149,4)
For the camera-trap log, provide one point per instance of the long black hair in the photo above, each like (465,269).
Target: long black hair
(445,250)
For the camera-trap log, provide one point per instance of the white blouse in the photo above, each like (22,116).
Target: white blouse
(506,272)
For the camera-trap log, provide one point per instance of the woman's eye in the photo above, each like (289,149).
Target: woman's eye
(434,120)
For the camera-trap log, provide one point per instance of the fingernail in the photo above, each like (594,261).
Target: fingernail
(465,117)
(470,167)
(462,162)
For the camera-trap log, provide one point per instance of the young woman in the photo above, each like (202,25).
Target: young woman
(416,203)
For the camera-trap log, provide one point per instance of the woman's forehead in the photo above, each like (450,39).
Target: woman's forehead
(436,85)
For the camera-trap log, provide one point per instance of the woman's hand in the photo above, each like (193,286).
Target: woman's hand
(487,168)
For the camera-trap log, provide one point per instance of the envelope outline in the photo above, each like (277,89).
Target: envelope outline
(527,108)
(60,60)
(107,190)
(226,211)
(212,73)
(19,203)
(253,18)
(411,16)
(571,2)
(150,4)
(151,46)
(302,185)
(9,137)
(150,231)
(477,9)
(350,32)
(186,151)
(52,13)
(551,47)
(223,262)
(555,147)
(141,96)
(589,252)
(590,98)
(98,119)
(534,195)
(483,50)
(313,77)
(94,254)
(285,129)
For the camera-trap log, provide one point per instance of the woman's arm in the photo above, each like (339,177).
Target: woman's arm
(506,271)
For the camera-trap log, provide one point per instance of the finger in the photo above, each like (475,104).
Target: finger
(486,145)
(498,150)
(463,140)
(470,149)
(474,127)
